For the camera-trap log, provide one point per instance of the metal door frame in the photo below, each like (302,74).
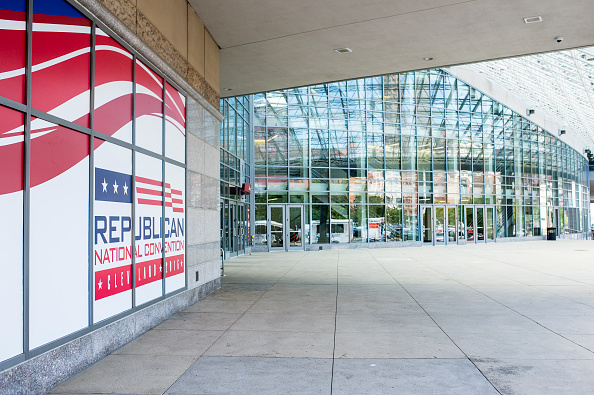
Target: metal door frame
(461,224)
(472,208)
(288,227)
(493,223)
(286,222)
(269,208)
(456,219)
(445,211)
(233,229)
(422,224)
(477,207)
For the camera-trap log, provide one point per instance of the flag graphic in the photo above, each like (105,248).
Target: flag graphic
(61,66)
(111,186)
(149,192)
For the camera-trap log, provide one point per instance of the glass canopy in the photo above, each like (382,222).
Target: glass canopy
(559,83)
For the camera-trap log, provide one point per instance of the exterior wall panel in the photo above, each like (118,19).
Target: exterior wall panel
(93,156)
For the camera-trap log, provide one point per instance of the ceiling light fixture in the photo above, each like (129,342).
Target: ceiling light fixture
(343,50)
(533,19)
(228,89)
(427,59)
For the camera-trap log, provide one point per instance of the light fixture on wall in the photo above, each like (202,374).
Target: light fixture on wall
(562,131)
(529,111)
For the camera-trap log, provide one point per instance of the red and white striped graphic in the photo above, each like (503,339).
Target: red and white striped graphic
(61,87)
(149,192)
(12,52)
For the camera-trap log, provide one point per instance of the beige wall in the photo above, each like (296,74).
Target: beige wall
(170,18)
(175,32)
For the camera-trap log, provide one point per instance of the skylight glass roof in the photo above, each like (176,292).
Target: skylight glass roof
(561,84)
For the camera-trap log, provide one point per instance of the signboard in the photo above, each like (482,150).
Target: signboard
(149,225)
(175,227)
(12,149)
(149,109)
(59,229)
(175,124)
(112,231)
(106,228)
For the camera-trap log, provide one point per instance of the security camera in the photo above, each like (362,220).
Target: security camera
(558,39)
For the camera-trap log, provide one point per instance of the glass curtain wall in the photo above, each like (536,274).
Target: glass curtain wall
(235,173)
(363,156)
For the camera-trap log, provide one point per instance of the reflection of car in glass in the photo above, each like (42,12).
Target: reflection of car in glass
(439,233)
(469,233)
(339,232)
(407,233)
(394,231)
(260,233)
(452,232)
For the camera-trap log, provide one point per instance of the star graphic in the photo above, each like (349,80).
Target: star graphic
(104,185)
(125,188)
(115,187)
(100,284)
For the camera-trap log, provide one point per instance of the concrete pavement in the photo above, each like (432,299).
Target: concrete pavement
(510,318)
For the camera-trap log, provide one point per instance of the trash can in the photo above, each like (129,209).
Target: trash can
(551,233)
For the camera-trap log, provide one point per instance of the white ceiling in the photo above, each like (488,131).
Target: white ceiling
(274,44)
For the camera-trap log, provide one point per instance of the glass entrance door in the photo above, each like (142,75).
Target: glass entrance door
(452,231)
(426,225)
(440,225)
(461,225)
(295,229)
(480,224)
(469,223)
(276,228)
(490,224)
(285,227)
(234,231)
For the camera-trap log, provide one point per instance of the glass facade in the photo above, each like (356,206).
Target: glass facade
(235,174)
(418,157)
(366,158)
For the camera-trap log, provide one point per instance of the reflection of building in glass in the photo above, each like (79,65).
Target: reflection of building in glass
(420,156)
(235,175)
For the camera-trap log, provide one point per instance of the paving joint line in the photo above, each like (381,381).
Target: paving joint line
(335,322)
(508,307)
(222,334)
(440,328)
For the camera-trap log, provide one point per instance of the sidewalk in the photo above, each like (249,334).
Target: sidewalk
(477,319)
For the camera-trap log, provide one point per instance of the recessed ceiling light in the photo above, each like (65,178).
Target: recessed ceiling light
(343,50)
(428,59)
(228,89)
(533,19)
